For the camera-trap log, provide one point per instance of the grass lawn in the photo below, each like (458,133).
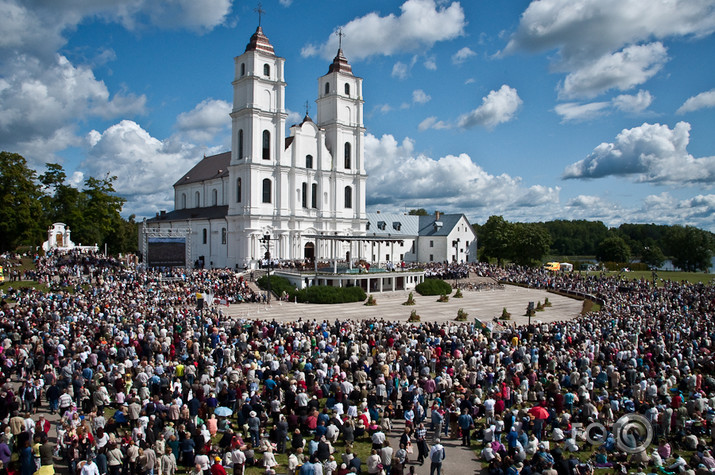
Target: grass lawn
(23,284)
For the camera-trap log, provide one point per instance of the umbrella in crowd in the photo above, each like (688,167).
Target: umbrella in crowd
(223,411)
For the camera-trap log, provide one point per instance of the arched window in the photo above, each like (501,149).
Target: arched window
(348,154)
(238,190)
(348,197)
(347,89)
(327,88)
(266,145)
(205,235)
(240,144)
(266,70)
(243,69)
(197,197)
(304,195)
(214,197)
(314,195)
(308,161)
(183,200)
(267,185)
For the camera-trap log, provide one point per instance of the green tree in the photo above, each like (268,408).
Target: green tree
(20,207)
(495,239)
(653,256)
(61,202)
(613,249)
(418,212)
(691,248)
(100,208)
(529,243)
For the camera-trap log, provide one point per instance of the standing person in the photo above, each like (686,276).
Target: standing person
(466,423)
(436,456)
(421,436)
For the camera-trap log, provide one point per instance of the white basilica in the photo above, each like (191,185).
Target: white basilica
(291,189)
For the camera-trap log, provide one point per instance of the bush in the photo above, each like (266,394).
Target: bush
(443,298)
(414,317)
(410,300)
(539,307)
(458,294)
(505,315)
(327,294)
(462,315)
(278,285)
(371,301)
(434,287)
(546,302)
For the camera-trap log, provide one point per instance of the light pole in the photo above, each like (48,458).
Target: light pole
(266,240)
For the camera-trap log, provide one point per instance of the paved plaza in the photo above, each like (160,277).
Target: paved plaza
(484,305)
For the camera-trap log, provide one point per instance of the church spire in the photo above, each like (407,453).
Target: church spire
(340,62)
(259,41)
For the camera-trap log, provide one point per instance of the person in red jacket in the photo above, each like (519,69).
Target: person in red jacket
(217,468)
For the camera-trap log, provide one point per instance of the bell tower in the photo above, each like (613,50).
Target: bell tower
(340,114)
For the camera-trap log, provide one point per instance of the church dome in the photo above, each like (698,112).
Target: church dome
(340,63)
(259,42)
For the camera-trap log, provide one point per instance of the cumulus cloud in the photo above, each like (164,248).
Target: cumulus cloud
(204,121)
(622,70)
(607,44)
(142,164)
(420,25)
(420,97)
(41,102)
(649,153)
(497,107)
(398,175)
(585,30)
(462,55)
(703,100)
(631,104)
(430,63)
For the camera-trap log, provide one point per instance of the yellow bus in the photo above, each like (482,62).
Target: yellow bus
(552,266)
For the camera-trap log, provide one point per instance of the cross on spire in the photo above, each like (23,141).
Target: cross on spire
(260,12)
(340,37)
(307,108)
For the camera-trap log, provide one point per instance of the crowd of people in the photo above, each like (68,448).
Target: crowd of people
(142,381)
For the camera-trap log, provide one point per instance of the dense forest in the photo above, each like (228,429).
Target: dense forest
(689,248)
(30,203)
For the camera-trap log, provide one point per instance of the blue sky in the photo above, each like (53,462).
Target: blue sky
(551,109)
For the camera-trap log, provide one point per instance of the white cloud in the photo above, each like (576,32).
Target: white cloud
(204,121)
(400,70)
(462,55)
(432,123)
(573,111)
(400,176)
(622,70)
(292,118)
(631,104)
(703,100)
(649,153)
(286,3)
(142,164)
(497,107)
(585,30)
(420,97)
(420,25)
(470,81)
(41,102)
(430,63)
(606,44)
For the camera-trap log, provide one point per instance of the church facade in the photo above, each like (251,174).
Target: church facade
(285,188)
